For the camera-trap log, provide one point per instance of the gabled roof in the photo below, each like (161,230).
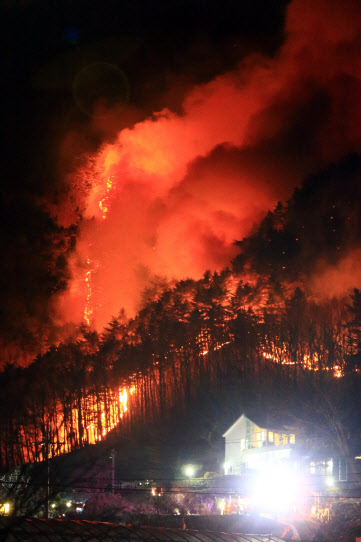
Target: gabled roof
(272,427)
(235,423)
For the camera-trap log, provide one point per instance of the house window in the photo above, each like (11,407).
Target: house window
(285,439)
(270,436)
(243,444)
(292,439)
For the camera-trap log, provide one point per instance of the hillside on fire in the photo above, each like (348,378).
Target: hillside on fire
(278,331)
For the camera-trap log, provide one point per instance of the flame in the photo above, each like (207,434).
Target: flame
(104,205)
(310,363)
(101,414)
(108,417)
(123,399)
(88,279)
(88,310)
(217,347)
(104,202)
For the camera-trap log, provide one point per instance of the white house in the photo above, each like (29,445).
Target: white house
(250,446)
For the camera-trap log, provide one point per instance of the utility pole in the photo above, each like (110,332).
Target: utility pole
(46,442)
(113,469)
(47,473)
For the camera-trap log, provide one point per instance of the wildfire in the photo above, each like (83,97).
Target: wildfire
(101,418)
(104,203)
(88,309)
(218,347)
(309,363)
(123,399)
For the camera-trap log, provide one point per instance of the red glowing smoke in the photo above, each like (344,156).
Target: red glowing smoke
(172,193)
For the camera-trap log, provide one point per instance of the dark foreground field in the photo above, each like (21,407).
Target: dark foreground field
(54,530)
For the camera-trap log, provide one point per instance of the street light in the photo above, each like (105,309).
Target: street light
(330,482)
(189,471)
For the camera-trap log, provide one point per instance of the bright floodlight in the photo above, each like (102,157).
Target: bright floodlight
(330,482)
(278,489)
(227,466)
(189,471)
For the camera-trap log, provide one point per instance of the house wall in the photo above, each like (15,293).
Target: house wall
(249,446)
(260,459)
(243,430)
(233,438)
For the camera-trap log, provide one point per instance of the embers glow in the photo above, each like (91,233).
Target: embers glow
(217,347)
(104,203)
(310,363)
(98,418)
(89,307)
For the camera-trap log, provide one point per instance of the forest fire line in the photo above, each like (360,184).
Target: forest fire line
(65,435)
(97,414)
(138,369)
(88,310)
(308,364)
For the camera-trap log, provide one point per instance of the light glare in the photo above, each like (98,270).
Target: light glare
(189,471)
(277,489)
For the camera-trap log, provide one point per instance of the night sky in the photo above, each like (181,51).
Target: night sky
(254,96)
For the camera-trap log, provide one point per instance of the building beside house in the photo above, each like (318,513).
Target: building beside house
(251,446)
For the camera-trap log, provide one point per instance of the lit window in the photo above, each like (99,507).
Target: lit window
(270,436)
(243,444)
(4,508)
(292,439)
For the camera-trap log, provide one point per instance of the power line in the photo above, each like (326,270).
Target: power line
(194,491)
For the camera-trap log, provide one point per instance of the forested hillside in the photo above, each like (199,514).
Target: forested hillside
(266,334)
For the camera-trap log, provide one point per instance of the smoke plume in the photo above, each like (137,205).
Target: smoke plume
(168,197)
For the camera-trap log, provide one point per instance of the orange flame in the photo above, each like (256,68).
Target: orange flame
(104,202)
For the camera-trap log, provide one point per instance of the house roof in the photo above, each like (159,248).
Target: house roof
(261,424)
(233,425)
